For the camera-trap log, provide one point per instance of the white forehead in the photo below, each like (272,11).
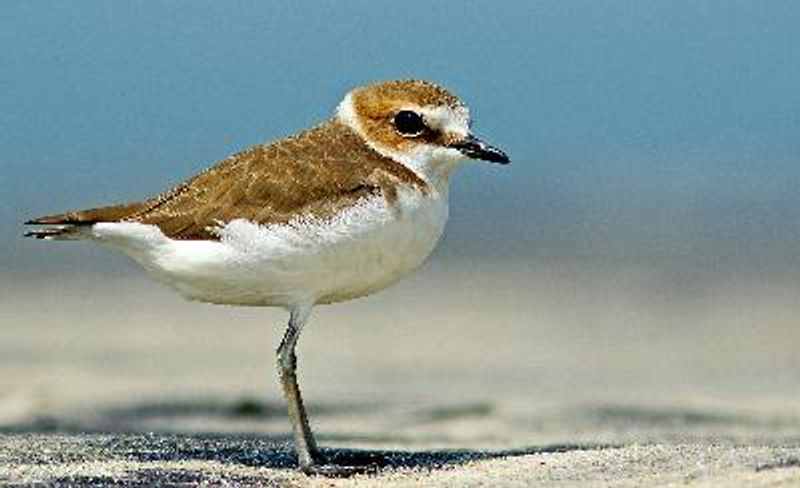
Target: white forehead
(446,119)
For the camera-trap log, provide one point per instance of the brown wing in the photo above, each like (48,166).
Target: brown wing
(317,172)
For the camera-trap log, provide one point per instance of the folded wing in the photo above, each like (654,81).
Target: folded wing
(315,173)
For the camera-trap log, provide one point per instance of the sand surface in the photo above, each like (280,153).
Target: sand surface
(490,374)
(147,460)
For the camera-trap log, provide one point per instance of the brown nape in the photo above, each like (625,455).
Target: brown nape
(376,106)
(316,173)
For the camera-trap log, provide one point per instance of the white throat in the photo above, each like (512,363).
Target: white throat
(431,163)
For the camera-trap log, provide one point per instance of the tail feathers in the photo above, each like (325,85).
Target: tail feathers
(61,219)
(59,232)
(59,227)
(73,225)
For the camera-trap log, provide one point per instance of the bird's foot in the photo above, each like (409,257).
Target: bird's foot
(339,471)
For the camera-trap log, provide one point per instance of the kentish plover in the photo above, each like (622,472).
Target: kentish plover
(335,212)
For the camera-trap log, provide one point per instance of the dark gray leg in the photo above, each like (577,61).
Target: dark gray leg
(307,453)
(308,456)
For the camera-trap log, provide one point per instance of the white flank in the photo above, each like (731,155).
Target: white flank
(363,249)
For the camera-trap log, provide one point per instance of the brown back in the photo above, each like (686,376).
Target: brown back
(317,173)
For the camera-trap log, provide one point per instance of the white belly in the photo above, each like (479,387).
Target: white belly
(359,251)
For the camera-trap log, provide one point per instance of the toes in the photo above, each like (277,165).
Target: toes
(336,471)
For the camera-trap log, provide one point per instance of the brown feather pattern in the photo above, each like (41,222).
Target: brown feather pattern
(315,173)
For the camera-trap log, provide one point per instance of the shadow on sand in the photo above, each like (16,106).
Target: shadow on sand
(223,452)
(208,459)
(279,454)
(111,436)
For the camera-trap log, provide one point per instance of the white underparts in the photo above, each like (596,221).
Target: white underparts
(362,249)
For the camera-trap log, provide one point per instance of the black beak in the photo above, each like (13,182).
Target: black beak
(474,148)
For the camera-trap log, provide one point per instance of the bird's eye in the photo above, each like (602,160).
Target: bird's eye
(408,123)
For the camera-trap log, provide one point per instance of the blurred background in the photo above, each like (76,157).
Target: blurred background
(638,260)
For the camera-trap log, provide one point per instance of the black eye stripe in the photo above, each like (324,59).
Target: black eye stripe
(409,123)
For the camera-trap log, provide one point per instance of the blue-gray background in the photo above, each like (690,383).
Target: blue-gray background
(632,277)
(651,133)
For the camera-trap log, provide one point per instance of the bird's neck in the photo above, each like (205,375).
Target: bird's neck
(435,171)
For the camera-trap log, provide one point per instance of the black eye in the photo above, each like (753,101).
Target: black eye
(409,123)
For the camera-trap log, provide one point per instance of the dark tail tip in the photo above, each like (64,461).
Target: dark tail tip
(59,232)
(43,234)
(50,220)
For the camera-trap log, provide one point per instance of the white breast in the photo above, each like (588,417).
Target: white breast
(357,252)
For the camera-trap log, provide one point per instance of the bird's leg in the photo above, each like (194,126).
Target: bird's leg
(307,453)
(308,456)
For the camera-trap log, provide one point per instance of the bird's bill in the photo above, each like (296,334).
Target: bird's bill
(474,148)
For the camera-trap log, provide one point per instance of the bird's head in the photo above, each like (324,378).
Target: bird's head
(416,123)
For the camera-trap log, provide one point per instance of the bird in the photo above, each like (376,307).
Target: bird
(335,212)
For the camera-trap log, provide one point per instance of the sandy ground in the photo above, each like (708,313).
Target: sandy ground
(147,460)
(490,374)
